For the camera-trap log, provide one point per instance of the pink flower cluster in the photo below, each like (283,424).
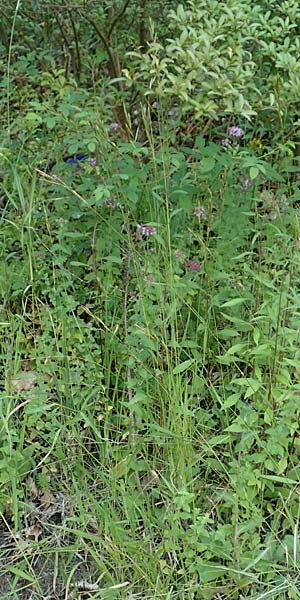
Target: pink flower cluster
(146,230)
(193,265)
(233,132)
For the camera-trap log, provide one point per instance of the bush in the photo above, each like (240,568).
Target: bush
(235,58)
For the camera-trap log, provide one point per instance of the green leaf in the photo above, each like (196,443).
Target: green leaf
(252,385)
(218,439)
(233,302)
(51,122)
(207,164)
(256,335)
(226,333)
(31,116)
(252,389)
(20,573)
(184,366)
(101,192)
(75,235)
(236,349)
(280,479)
(282,465)
(183,37)
(73,148)
(113,259)
(120,470)
(243,325)
(139,396)
(200,142)
(232,400)
(209,572)
(253,172)
(238,426)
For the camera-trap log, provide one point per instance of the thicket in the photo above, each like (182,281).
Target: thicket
(149,319)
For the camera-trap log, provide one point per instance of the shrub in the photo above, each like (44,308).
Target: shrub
(235,58)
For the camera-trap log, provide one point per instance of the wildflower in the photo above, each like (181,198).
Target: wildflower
(225,142)
(112,204)
(149,279)
(236,132)
(132,294)
(113,126)
(93,161)
(179,254)
(193,265)
(256,144)
(200,212)
(146,230)
(245,185)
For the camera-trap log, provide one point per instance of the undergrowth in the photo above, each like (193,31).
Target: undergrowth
(149,330)
(149,404)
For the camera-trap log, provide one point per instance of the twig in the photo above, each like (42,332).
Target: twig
(117,17)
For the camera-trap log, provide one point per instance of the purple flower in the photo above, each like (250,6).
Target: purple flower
(200,212)
(193,265)
(132,294)
(146,230)
(225,142)
(93,161)
(113,126)
(236,132)
(245,185)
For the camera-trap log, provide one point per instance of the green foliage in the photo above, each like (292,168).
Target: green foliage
(149,313)
(234,58)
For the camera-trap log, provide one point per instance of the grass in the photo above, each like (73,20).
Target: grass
(150,395)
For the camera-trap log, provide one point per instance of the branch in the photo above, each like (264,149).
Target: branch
(78,66)
(105,44)
(117,17)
